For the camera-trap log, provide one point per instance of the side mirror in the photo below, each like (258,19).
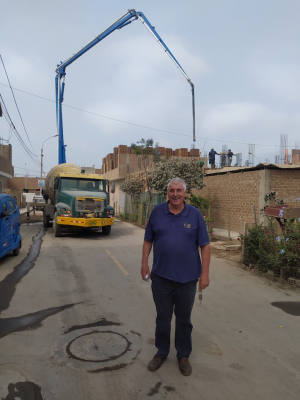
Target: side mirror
(5,214)
(113,187)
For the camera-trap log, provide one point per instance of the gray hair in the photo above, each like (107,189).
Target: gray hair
(177,181)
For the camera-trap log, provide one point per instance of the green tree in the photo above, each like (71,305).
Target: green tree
(145,151)
(185,168)
(132,187)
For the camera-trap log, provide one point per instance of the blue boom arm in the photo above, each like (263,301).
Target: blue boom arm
(126,19)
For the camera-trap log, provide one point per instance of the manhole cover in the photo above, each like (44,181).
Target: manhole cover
(98,346)
(98,350)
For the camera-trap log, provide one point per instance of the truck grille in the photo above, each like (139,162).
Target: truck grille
(89,205)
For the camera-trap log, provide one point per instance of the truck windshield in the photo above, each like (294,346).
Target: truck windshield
(91,185)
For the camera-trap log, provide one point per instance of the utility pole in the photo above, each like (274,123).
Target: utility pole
(42,155)
(42,162)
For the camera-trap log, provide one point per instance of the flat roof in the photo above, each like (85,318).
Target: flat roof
(226,170)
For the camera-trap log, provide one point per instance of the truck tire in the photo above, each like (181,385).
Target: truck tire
(56,228)
(106,229)
(46,220)
(16,251)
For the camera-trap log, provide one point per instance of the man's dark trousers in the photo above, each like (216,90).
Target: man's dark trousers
(168,296)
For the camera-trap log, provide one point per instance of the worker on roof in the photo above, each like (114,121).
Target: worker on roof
(211,158)
(230,155)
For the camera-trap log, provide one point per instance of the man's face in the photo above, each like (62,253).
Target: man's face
(176,194)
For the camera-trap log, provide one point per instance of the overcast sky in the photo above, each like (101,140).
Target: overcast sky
(242,56)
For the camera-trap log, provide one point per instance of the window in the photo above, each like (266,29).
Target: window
(12,207)
(92,185)
(4,207)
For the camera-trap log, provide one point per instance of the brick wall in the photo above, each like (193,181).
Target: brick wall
(286,184)
(234,194)
(114,160)
(6,152)
(20,183)
(238,193)
(295,156)
(5,165)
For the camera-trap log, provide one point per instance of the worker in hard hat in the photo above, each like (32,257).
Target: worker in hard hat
(211,158)
(229,156)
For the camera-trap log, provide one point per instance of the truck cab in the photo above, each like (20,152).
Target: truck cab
(77,200)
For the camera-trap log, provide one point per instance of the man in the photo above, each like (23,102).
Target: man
(230,155)
(211,158)
(176,230)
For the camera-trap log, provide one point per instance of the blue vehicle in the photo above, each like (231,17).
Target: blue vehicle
(10,237)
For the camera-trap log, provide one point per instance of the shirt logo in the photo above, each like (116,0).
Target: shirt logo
(188,226)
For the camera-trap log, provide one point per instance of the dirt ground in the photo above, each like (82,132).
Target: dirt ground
(227,249)
(33,218)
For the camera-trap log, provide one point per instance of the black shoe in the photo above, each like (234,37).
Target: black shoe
(185,366)
(155,363)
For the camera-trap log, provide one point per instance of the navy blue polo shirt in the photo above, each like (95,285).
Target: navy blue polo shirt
(176,239)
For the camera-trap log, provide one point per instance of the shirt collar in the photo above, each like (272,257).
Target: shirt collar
(184,212)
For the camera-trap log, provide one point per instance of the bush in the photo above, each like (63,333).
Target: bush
(271,248)
(199,202)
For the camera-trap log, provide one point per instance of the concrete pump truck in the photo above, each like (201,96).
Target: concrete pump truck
(73,198)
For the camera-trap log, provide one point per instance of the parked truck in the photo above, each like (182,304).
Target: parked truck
(77,200)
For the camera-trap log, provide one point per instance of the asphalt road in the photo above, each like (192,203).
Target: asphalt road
(77,322)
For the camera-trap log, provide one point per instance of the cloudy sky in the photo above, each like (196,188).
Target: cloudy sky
(242,56)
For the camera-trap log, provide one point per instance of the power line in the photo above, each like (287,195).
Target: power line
(13,128)
(141,126)
(16,103)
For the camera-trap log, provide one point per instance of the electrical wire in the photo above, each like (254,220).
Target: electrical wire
(16,104)
(13,128)
(143,126)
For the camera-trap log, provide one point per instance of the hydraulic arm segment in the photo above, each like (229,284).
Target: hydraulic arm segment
(126,19)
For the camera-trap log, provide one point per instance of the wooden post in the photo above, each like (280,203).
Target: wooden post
(243,246)
(281,273)
(229,223)
(130,212)
(254,214)
(140,214)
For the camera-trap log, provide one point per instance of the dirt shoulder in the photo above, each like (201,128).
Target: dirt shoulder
(227,249)
(33,218)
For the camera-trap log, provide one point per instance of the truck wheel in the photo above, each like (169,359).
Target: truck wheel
(106,229)
(16,251)
(46,221)
(56,228)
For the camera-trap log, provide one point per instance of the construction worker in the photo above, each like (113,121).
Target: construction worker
(211,158)
(229,155)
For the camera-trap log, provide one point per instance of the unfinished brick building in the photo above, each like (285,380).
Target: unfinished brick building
(123,162)
(6,168)
(237,194)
